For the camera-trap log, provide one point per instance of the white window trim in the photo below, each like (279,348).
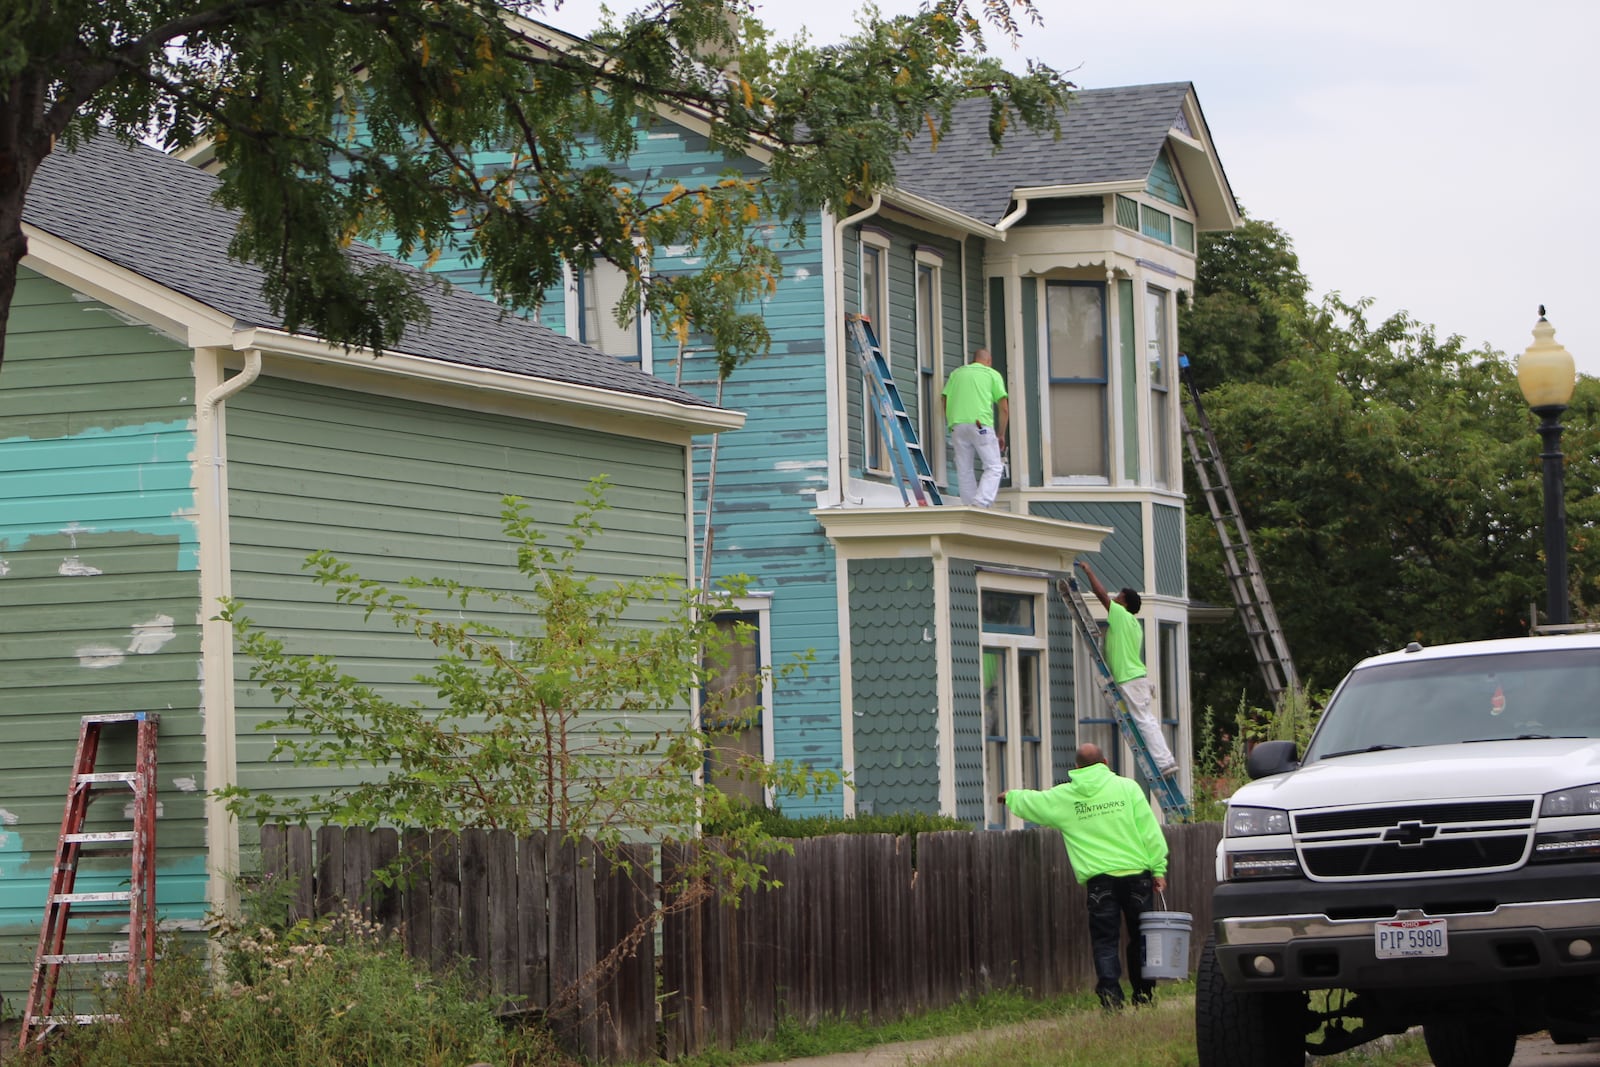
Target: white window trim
(931,432)
(1146,388)
(1038,641)
(881,242)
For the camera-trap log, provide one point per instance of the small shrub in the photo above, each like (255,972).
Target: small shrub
(333,992)
(774,823)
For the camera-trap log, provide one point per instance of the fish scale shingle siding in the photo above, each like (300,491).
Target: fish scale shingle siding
(894,677)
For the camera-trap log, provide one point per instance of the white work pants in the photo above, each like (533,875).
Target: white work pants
(975,442)
(1142,706)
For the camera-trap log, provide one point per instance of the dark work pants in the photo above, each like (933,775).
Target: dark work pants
(1115,901)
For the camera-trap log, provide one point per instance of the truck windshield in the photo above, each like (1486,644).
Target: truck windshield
(1534,693)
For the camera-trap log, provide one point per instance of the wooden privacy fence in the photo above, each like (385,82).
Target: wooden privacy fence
(856,928)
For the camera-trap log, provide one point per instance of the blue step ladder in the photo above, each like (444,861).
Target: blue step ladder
(1165,789)
(910,465)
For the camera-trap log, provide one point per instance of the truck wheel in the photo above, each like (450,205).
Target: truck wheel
(1467,1042)
(1237,1029)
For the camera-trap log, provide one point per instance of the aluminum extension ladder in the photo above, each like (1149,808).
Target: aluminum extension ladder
(911,471)
(1239,558)
(1166,789)
(64,905)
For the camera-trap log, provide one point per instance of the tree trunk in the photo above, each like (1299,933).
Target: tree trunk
(23,144)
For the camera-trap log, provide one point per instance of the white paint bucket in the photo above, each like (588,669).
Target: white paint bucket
(1166,943)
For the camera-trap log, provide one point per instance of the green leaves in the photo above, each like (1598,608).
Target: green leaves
(562,707)
(457,130)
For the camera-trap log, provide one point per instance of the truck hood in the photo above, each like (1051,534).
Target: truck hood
(1437,772)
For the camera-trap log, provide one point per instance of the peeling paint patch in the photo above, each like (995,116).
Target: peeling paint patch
(5,568)
(98,657)
(800,465)
(127,810)
(802,274)
(73,567)
(149,636)
(185,785)
(8,818)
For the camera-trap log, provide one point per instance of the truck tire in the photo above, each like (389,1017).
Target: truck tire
(1471,1042)
(1238,1029)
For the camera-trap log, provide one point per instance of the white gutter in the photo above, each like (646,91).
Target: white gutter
(1014,217)
(835,345)
(217,707)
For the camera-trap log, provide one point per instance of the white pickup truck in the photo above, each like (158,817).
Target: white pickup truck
(1432,859)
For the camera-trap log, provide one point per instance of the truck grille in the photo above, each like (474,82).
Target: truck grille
(1429,838)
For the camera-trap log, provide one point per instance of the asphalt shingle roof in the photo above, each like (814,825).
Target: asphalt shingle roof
(154,215)
(1107,135)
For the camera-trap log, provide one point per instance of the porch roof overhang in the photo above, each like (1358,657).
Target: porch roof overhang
(997,537)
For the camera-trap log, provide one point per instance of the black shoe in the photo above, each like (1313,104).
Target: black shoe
(1144,1000)
(1111,1003)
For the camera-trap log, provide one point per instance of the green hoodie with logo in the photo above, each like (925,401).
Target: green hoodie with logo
(1104,818)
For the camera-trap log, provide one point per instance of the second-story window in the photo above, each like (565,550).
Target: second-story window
(599,290)
(875,306)
(1158,355)
(929,352)
(1075,313)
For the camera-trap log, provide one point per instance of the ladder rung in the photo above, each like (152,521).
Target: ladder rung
(122,717)
(98,777)
(107,837)
(73,1020)
(85,957)
(92,898)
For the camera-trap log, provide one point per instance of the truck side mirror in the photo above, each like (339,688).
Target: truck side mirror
(1271,757)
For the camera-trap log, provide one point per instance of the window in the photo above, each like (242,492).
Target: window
(1015,745)
(600,288)
(731,708)
(1158,354)
(874,305)
(1075,313)
(928,360)
(1169,636)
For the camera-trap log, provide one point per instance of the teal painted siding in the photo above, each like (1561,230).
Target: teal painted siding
(894,679)
(1120,560)
(1171,565)
(100,591)
(1065,211)
(398,489)
(1164,182)
(1129,358)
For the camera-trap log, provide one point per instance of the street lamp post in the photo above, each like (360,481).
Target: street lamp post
(1546,374)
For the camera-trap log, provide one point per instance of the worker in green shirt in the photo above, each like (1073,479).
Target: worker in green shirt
(1124,641)
(1118,854)
(977,411)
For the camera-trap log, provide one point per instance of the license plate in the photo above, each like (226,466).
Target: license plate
(1406,938)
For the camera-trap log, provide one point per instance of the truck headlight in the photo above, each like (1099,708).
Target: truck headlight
(1581,800)
(1253,822)
(1239,866)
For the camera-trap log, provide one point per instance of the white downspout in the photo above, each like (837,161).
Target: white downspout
(836,347)
(1015,217)
(222,830)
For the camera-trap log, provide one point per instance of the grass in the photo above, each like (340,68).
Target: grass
(1018,1031)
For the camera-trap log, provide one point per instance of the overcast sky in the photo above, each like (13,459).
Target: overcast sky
(1433,155)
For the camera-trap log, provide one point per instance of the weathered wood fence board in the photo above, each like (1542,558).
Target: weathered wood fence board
(860,926)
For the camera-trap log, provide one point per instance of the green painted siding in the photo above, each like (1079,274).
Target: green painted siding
(894,678)
(100,590)
(1031,355)
(1065,211)
(398,488)
(966,679)
(1120,560)
(1164,182)
(1167,530)
(1130,380)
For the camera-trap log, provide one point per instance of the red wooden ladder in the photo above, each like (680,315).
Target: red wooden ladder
(63,904)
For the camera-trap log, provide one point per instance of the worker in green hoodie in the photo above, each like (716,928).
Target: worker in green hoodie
(1118,854)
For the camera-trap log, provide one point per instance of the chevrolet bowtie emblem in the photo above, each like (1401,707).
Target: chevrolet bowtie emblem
(1410,834)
